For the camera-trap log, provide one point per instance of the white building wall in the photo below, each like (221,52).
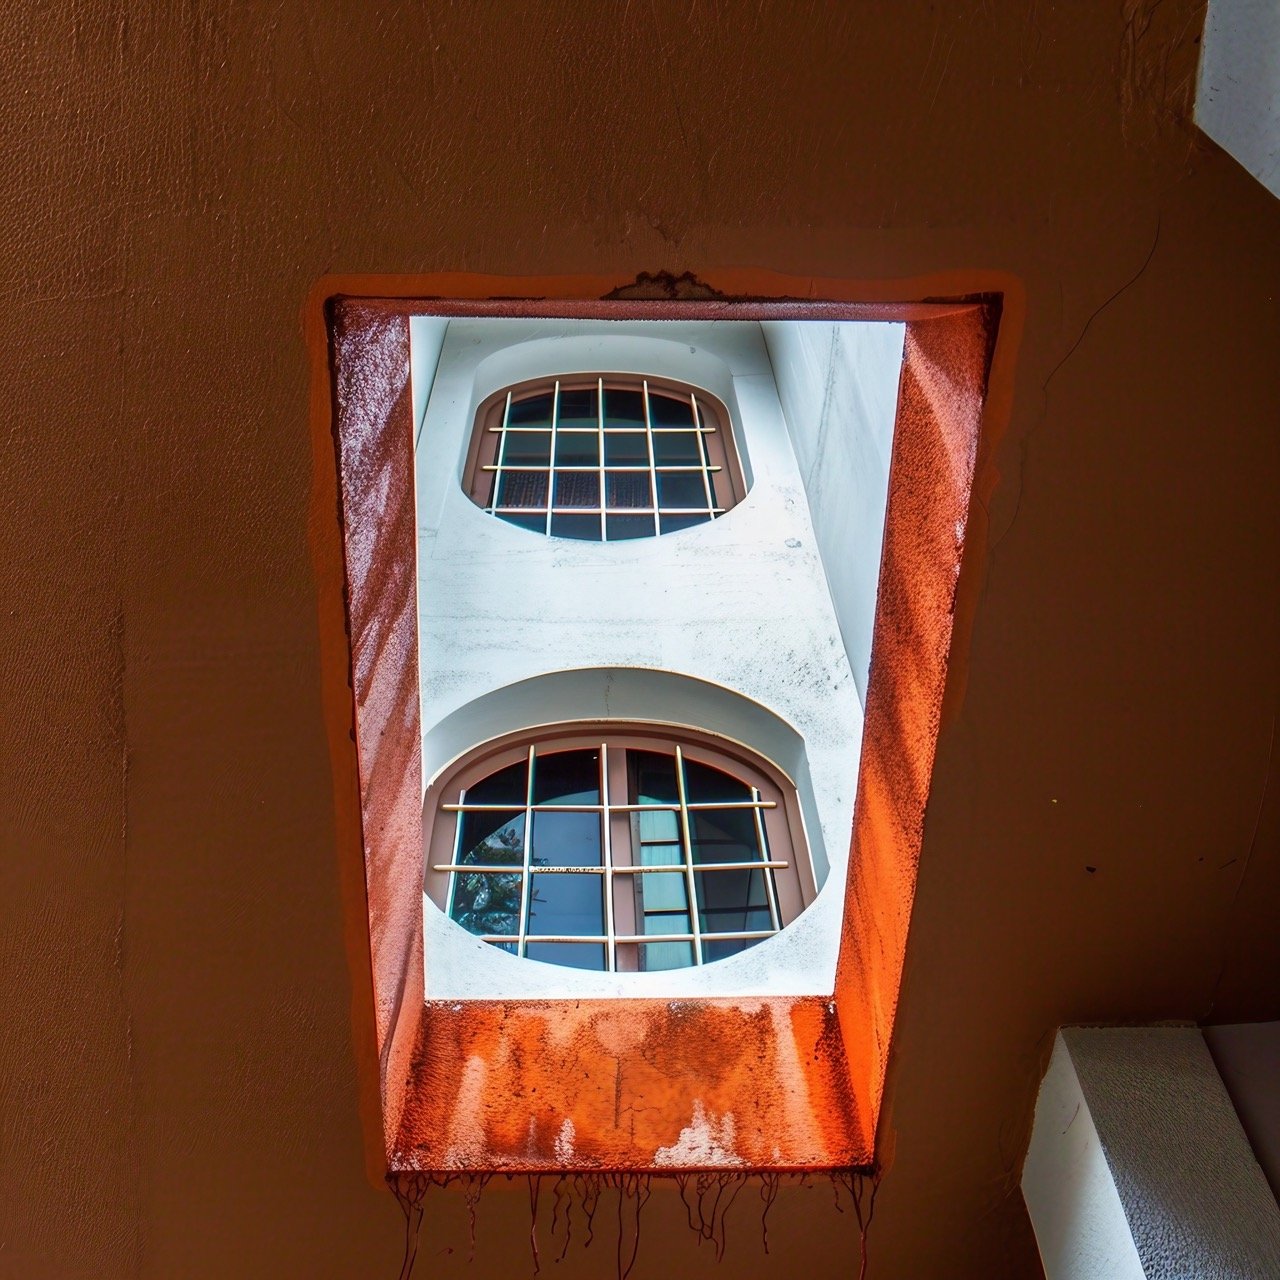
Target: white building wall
(739,607)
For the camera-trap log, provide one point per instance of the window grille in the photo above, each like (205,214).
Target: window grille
(624,854)
(604,461)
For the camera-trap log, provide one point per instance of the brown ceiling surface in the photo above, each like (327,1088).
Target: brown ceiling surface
(179,1075)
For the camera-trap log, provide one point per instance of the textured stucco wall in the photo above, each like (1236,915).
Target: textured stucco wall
(178,1070)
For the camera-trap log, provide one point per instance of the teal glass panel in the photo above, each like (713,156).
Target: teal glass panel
(628,489)
(582,528)
(532,411)
(526,448)
(624,409)
(670,411)
(626,449)
(652,777)
(681,489)
(724,835)
(657,956)
(577,449)
(566,839)
(505,786)
(708,785)
(621,528)
(677,449)
(578,408)
(523,489)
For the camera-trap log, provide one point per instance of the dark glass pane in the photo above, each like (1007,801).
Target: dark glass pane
(577,449)
(706,785)
(573,955)
(652,778)
(673,524)
(538,523)
(656,956)
(679,450)
(670,411)
(584,528)
(724,835)
(626,449)
(566,839)
(526,448)
(578,489)
(486,903)
(566,904)
(624,409)
(721,949)
(533,411)
(627,489)
(578,408)
(620,528)
(507,786)
(492,839)
(681,489)
(523,489)
(731,901)
(566,777)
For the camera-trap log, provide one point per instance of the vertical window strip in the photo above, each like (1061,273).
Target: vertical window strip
(762,842)
(606,846)
(501,458)
(686,839)
(551,488)
(526,881)
(604,496)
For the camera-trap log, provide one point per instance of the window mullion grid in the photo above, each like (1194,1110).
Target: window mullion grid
(702,454)
(607,846)
(604,535)
(763,841)
(686,839)
(551,492)
(653,468)
(526,880)
(502,455)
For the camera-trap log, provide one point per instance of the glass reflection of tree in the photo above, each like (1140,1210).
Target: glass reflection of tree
(487,902)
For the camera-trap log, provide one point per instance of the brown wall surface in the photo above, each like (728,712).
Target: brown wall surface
(182,1084)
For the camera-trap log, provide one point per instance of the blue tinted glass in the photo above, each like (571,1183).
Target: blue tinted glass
(571,905)
(526,448)
(621,528)
(533,411)
(490,839)
(577,449)
(668,411)
(487,903)
(706,785)
(673,524)
(574,955)
(537,523)
(732,901)
(623,409)
(523,489)
(577,408)
(584,528)
(566,777)
(566,839)
(578,489)
(681,489)
(722,948)
(627,489)
(678,449)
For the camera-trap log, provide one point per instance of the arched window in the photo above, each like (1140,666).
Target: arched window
(618,847)
(603,459)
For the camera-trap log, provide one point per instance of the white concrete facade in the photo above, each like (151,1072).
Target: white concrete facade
(736,627)
(1138,1168)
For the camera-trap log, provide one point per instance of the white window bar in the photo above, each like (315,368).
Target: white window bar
(762,840)
(551,480)
(616,808)
(653,468)
(606,845)
(526,881)
(604,532)
(702,453)
(502,452)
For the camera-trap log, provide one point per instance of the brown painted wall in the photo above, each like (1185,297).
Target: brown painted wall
(178,1075)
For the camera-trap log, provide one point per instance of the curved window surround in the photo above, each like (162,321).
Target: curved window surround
(588,849)
(603,459)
